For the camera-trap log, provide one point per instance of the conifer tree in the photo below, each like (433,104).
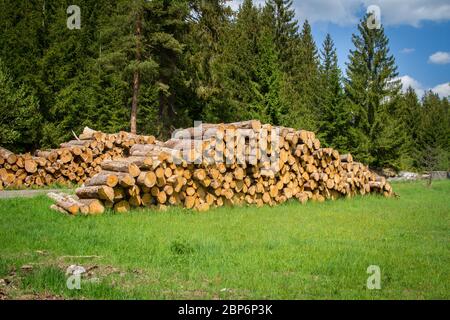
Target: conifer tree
(409,116)
(304,83)
(240,64)
(332,116)
(434,132)
(269,70)
(126,49)
(373,93)
(209,25)
(286,31)
(20,116)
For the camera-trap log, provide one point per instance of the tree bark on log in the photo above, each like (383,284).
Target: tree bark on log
(103,178)
(121,166)
(96,192)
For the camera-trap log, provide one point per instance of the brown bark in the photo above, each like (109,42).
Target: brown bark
(136,76)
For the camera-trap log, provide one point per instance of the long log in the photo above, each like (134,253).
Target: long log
(67,203)
(121,166)
(103,178)
(96,192)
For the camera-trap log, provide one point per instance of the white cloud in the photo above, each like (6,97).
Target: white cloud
(340,12)
(442,90)
(347,12)
(412,12)
(440,57)
(408,81)
(407,50)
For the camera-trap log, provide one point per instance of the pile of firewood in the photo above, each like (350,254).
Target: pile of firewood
(73,163)
(216,168)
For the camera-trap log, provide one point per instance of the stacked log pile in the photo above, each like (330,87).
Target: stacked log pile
(217,168)
(73,163)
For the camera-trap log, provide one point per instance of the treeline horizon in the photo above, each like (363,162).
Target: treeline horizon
(154,66)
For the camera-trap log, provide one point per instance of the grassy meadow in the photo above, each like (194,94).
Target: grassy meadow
(293,251)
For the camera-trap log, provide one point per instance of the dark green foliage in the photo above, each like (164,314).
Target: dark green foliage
(19,111)
(303,111)
(333,117)
(285,31)
(409,115)
(434,135)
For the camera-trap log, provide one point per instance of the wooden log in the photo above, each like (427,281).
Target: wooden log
(96,192)
(161,197)
(121,166)
(8,156)
(143,163)
(122,206)
(143,149)
(202,207)
(66,202)
(55,207)
(147,178)
(346,158)
(50,155)
(152,176)
(87,134)
(103,178)
(251,124)
(65,155)
(189,202)
(79,143)
(125,179)
(30,166)
(94,206)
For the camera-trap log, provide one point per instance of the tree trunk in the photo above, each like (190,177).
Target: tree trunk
(136,77)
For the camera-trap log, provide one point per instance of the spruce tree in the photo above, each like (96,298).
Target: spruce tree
(20,121)
(209,25)
(303,105)
(286,31)
(434,132)
(373,93)
(333,120)
(269,69)
(126,48)
(409,115)
(239,64)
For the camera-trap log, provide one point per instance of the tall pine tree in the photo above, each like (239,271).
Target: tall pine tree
(301,94)
(209,25)
(409,115)
(333,118)
(373,95)
(286,31)
(127,50)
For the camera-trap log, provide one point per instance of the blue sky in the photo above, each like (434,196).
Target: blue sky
(418,30)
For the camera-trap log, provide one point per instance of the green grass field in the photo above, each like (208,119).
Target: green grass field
(315,251)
